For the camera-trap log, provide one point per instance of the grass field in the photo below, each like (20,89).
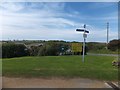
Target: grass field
(95,67)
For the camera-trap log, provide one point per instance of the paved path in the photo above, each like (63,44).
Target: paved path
(52,83)
(102,54)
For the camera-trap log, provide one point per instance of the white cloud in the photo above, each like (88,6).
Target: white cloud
(100,35)
(35,25)
(47,23)
(11,7)
(43,33)
(41,18)
(57,34)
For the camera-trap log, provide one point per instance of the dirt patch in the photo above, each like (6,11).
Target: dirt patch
(51,83)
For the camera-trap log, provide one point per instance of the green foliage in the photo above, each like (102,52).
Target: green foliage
(52,48)
(10,50)
(34,50)
(95,46)
(48,48)
(116,63)
(113,45)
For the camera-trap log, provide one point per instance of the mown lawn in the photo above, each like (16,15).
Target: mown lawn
(94,67)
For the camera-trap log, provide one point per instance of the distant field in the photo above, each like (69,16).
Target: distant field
(95,67)
(103,51)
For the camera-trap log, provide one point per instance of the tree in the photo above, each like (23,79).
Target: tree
(114,45)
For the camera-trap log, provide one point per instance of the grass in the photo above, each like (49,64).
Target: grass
(95,67)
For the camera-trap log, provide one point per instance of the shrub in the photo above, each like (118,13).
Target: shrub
(10,50)
(113,45)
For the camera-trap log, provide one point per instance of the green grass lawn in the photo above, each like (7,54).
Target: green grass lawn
(95,67)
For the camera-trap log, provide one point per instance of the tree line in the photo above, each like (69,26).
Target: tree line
(51,48)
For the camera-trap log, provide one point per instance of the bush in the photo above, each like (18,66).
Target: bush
(10,50)
(94,46)
(113,45)
(116,63)
(52,49)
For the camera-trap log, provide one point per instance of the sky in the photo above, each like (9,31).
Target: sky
(58,20)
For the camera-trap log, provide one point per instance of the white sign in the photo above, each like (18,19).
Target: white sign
(84,35)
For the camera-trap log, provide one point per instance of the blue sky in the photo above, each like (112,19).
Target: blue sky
(58,20)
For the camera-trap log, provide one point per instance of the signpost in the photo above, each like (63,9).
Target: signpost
(84,38)
(107,35)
